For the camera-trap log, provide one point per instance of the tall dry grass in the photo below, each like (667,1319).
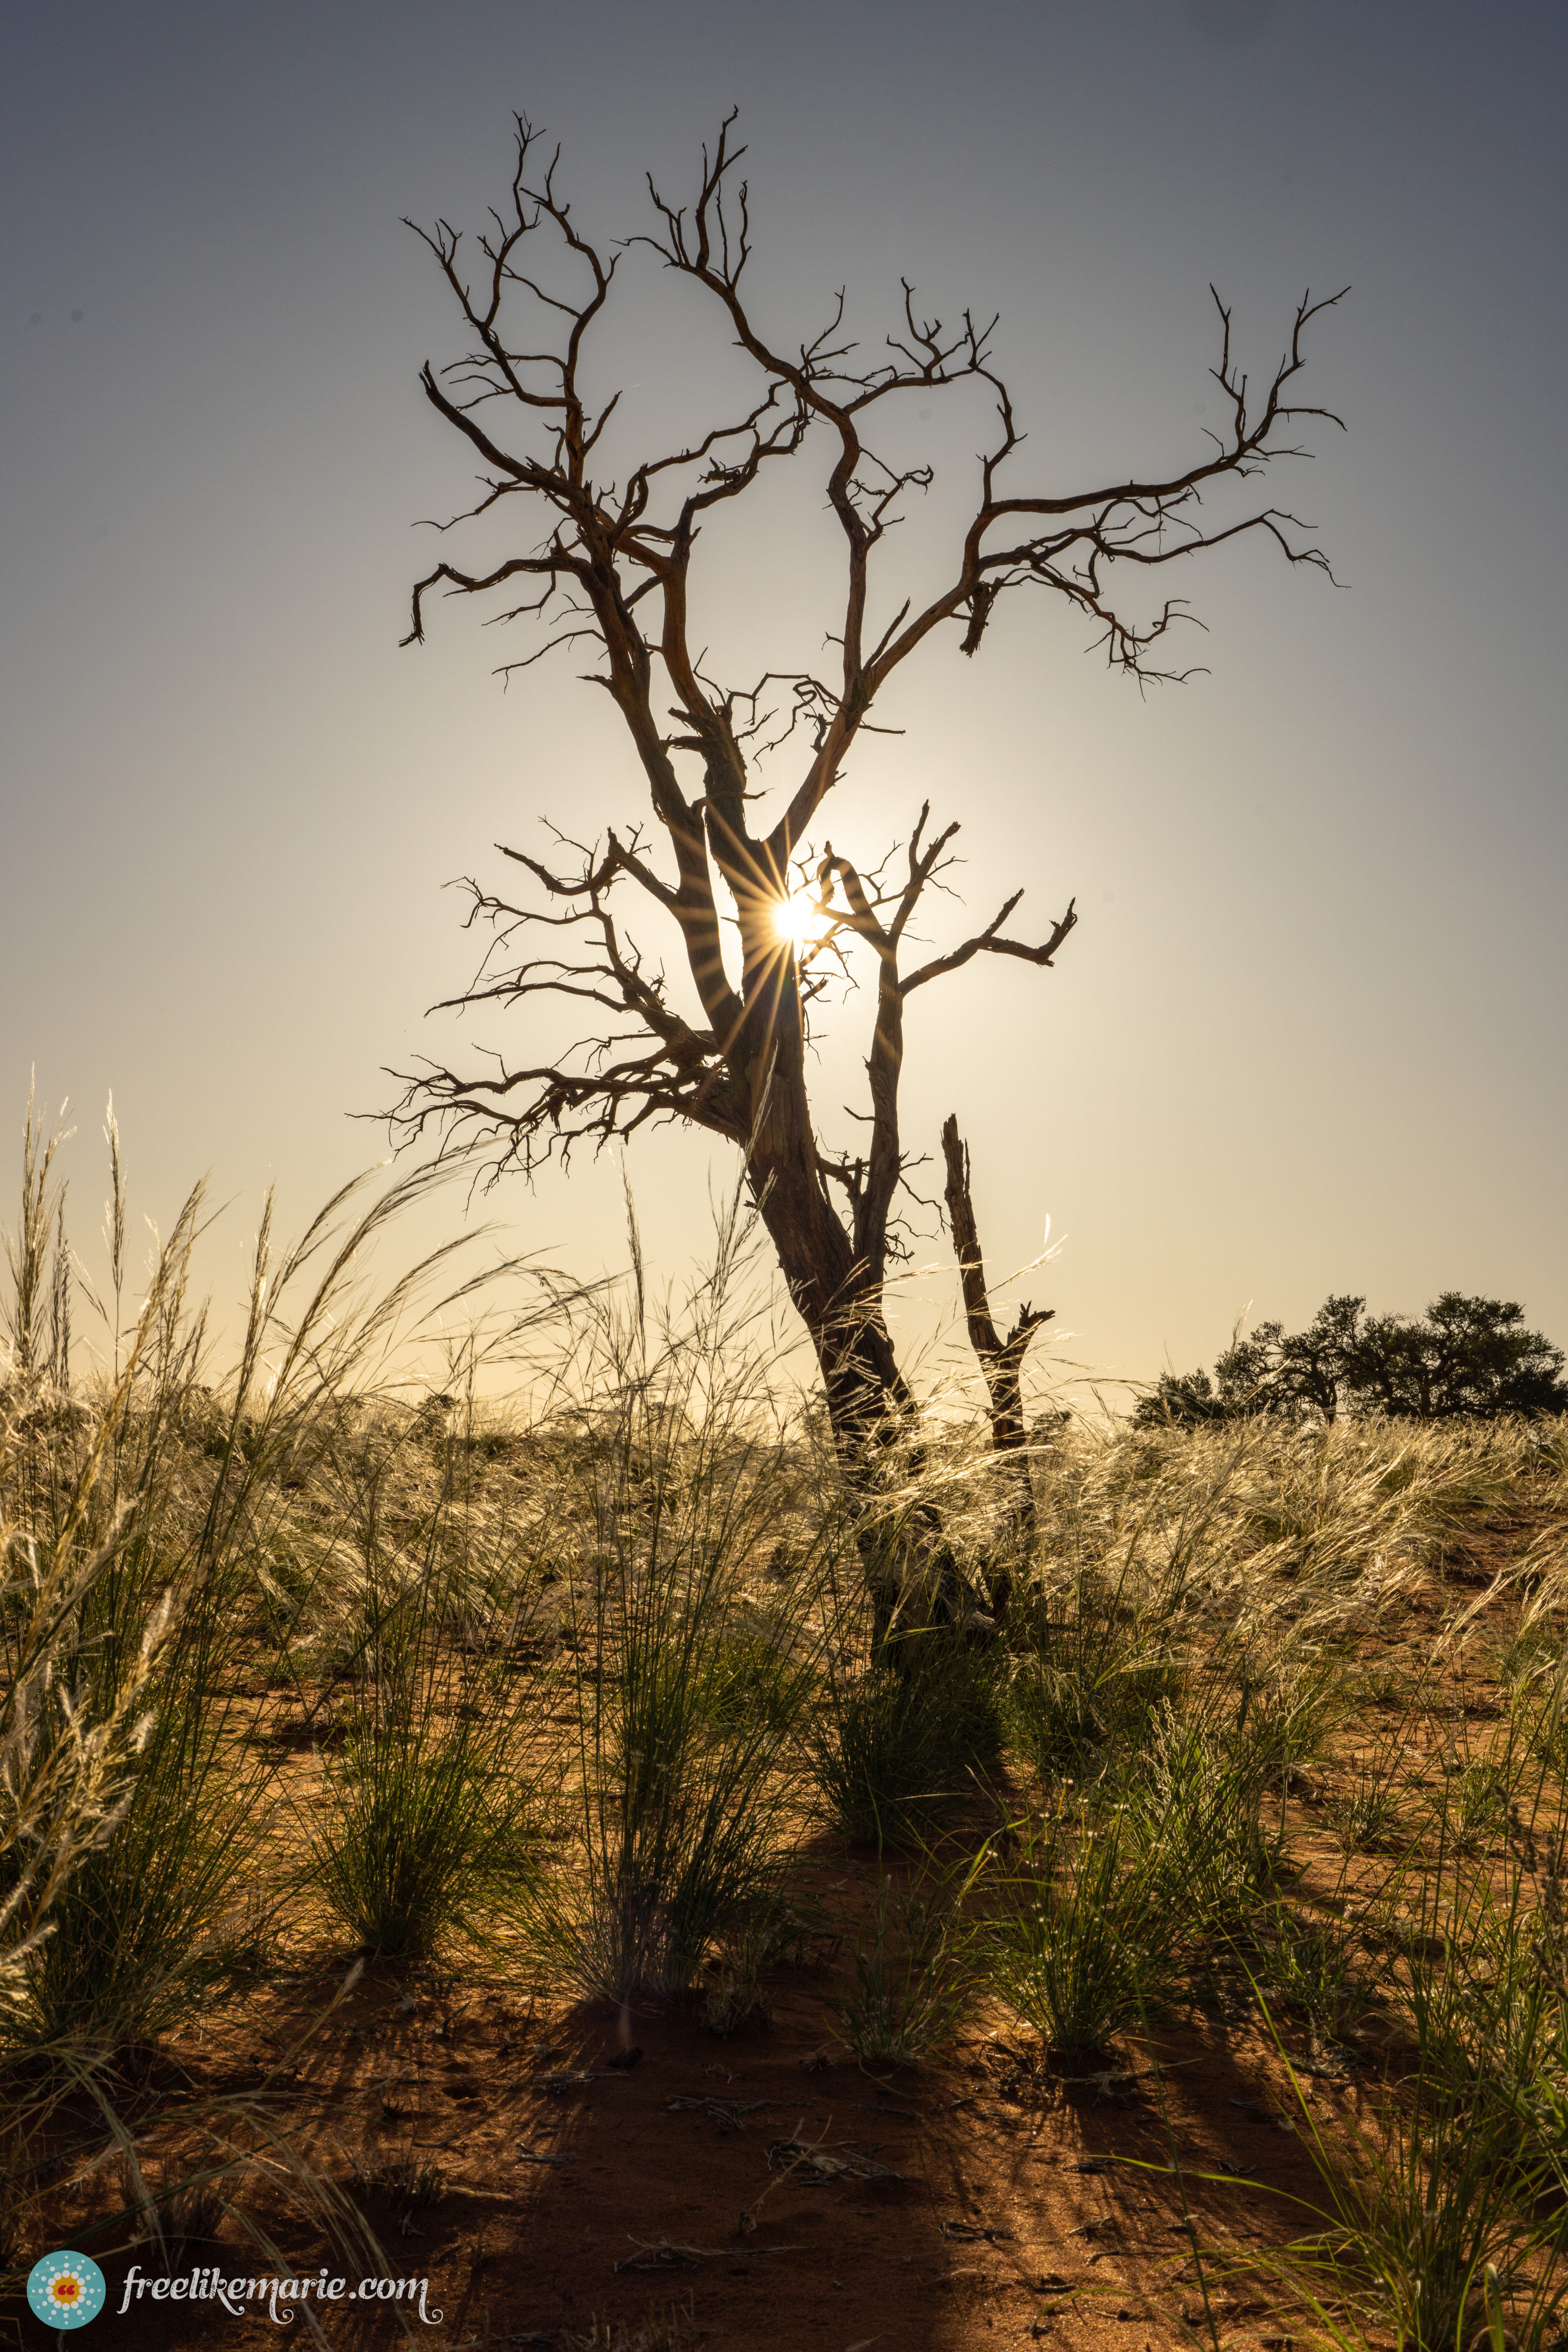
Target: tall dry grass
(554,1687)
(144,1509)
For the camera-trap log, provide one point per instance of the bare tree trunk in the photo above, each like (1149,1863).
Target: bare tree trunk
(909,1567)
(1001,1363)
(834,1275)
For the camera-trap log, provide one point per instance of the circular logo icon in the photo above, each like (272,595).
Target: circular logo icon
(65,2290)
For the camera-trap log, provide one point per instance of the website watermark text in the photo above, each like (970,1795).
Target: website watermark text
(280,2297)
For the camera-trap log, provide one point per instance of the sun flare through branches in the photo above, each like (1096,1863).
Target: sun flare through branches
(802,922)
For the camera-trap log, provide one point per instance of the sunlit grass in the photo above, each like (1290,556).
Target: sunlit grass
(560,1688)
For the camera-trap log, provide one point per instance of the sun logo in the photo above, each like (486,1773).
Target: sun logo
(64,2289)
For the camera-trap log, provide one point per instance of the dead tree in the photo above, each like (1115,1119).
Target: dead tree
(610,560)
(1000,1361)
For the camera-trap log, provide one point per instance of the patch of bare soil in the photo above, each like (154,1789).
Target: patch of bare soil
(554,2172)
(803,2202)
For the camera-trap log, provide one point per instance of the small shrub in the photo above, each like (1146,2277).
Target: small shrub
(893,1746)
(1540,1721)
(427,1831)
(1372,1811)
(1092,1679)
(1067,1718)
(1079,1944)
(753,1678)
(425,1834)
(1526,1655)
(143,1931)
(1055,1720)
(733,1992)
(1194,1799)
(418,2180)
(1431,2219)
(1382,1686)
(917,1970)
(1442,2223)
(1313,1967)
(1477,1800)
(1286,1721)
(685,1705)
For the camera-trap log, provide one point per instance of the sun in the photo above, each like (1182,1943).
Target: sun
(801,920)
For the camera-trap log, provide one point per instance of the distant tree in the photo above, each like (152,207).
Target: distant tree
(1469,1356)
(1275,1370)
(1180,1401)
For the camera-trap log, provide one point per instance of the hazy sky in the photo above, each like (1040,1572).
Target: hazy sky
(1310,1034)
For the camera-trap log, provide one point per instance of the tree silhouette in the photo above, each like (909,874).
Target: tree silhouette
(1467,1356)
(610,561)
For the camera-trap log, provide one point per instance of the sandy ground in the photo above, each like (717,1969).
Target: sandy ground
(764,2192)
(773,2191)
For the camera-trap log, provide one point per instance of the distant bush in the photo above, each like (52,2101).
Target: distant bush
(1467,1356)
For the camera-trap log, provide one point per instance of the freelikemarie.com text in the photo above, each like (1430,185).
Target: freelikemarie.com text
(281,2295)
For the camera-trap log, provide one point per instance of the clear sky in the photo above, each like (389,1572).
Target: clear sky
(1310,1034)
